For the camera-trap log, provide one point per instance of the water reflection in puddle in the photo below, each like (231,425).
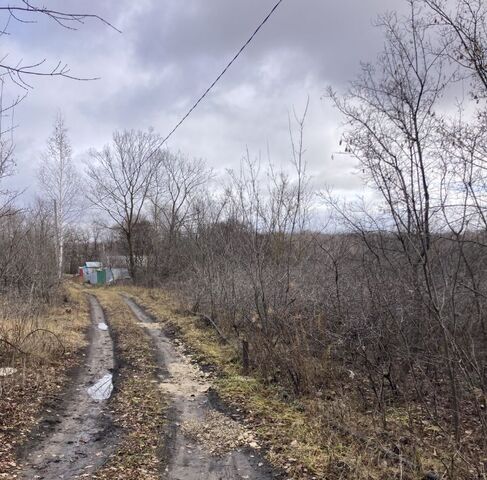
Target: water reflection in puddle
(102,389)
(103,326)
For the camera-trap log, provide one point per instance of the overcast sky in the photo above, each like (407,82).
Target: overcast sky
(169,51)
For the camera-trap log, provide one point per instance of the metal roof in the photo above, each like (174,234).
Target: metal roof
(93,264)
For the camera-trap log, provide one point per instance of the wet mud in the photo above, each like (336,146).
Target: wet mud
(192,453)
(78,437)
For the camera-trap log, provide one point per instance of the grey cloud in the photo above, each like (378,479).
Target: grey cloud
(169,52)
(325,39)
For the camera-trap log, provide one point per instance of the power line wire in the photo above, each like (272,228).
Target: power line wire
(207,91)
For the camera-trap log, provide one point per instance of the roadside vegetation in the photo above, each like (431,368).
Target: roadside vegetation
(41,345)
(311,436)
(351,337)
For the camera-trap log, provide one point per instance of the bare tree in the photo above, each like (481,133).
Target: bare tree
(60,184)
(25,12)
(178,184)
(464,30)
(411,156)
(7,162)
(19,73)
(121,177)
(28,254)
(390,111)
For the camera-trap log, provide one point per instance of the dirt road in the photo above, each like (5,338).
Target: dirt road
(202,443)
(77,438)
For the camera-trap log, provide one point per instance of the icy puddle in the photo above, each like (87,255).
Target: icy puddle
(78,436)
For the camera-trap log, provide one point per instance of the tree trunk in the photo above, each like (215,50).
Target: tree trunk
(130,246)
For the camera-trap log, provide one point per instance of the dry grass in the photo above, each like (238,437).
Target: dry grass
(42,346)
(42,364)
(326,437)
(44,332)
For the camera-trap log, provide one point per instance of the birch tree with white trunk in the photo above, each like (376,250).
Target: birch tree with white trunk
(59,182)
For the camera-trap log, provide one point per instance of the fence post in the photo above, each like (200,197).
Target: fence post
(245,357)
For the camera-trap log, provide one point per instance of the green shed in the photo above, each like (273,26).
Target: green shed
(101,277)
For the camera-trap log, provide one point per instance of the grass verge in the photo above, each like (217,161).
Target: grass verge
(43,347)
(308,437)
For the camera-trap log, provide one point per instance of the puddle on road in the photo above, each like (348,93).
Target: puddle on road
(102,389)
(78,437)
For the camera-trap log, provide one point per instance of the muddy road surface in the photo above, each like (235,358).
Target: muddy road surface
(77,438)
(201,443)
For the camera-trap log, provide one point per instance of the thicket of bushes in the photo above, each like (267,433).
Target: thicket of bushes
(388,301)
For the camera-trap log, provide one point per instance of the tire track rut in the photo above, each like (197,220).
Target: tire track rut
(188,458)
(79,437)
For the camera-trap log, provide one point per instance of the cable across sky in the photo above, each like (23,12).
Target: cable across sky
(217,79)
